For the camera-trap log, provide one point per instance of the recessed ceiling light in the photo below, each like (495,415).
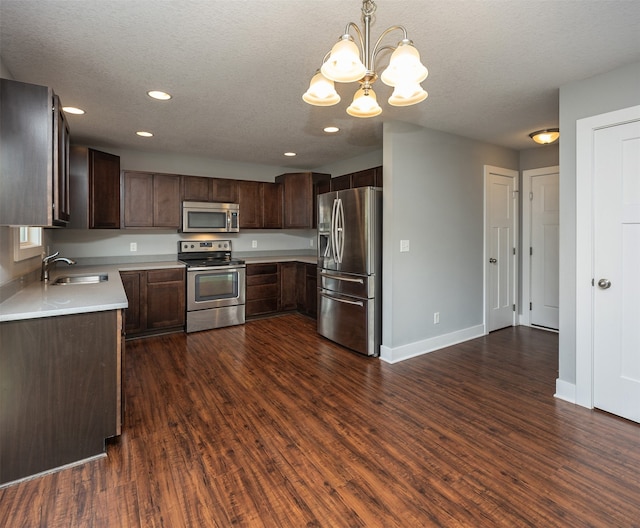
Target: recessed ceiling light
(73,110)
(331,129)
(144,133)
(290,154)
(157,94)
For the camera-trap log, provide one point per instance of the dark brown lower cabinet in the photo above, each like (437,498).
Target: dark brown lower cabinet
(60,390)
(156,301)
(263,289)
(288,287)
(280,287)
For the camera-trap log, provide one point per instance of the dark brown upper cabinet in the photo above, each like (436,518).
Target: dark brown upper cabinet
(34,149)
(300,191)
(95,189)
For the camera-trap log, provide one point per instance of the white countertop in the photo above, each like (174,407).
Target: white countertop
(40,299)
(281,258)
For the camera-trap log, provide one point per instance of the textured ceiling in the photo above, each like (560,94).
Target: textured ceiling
(237,69)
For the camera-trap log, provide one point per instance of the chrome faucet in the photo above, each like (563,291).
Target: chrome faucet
(51,259)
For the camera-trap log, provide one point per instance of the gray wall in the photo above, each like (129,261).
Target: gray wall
(433,197)
(611,91)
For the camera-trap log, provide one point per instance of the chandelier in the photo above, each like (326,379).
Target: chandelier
(344,63)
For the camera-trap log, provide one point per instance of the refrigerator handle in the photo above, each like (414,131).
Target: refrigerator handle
(345,301)
(340,231)
(337,277)
(334,241)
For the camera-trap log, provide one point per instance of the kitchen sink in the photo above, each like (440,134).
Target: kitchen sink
(81,279)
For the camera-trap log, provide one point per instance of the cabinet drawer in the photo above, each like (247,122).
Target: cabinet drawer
(262,269)
(261,306)
(165,275)
(263,291)
(256,280)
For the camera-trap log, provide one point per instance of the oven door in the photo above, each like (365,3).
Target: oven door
(215,287)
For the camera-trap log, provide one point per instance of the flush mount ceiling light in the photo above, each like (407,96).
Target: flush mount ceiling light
(290,154)
(331,129)
(157,94)
(344,63)
(73,110)
(144,133)
(545,137)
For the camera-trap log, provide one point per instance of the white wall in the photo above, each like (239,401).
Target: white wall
(614,90)
(433,197)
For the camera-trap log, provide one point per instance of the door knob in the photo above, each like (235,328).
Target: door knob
(604,284)
(493,261)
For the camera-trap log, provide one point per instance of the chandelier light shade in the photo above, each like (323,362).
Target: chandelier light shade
(365,104)
(321,91)
(346,62)
(545,137)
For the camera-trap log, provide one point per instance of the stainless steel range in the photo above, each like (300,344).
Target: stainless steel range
(215,284)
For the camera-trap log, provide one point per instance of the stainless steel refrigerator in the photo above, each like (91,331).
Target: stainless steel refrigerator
(350,268)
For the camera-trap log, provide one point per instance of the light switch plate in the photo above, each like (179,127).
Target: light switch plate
(404,246)
(133,246)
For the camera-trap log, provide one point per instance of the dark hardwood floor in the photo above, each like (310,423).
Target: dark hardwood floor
(268,424)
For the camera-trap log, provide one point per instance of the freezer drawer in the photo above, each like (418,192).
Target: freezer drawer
(349,321)
(347,284)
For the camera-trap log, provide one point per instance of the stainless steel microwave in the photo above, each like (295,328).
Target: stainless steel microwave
(210,217)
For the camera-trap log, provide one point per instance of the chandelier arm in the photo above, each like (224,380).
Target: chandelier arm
(359,33)
(385,33)
(377,51)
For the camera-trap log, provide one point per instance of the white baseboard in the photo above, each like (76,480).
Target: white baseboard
(394,355)
(565,391)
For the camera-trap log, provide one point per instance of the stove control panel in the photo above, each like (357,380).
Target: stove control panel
(199,246)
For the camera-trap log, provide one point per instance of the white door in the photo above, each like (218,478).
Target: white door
(616,265)
(501,186)
(545,250)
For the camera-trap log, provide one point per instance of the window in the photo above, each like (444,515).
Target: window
(27,243)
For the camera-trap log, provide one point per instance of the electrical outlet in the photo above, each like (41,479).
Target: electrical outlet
(133,246)
(436,317)
(254,243)
(311,242)
(404,246)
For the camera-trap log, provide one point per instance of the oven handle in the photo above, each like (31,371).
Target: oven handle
(216,268)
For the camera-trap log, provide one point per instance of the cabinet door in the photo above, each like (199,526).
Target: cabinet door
(301,287)
(166,201)
(369,177)
(288,271)
(250,200)
(165,298)
(223,190)
(104,190)
(61,199)
(272,205)
(298,200)
(311,285)
(196,189)
(341,182)
(133,281)
(138,199)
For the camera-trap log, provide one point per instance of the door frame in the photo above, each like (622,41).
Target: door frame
(585,151)
(527,180)
(514,175)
